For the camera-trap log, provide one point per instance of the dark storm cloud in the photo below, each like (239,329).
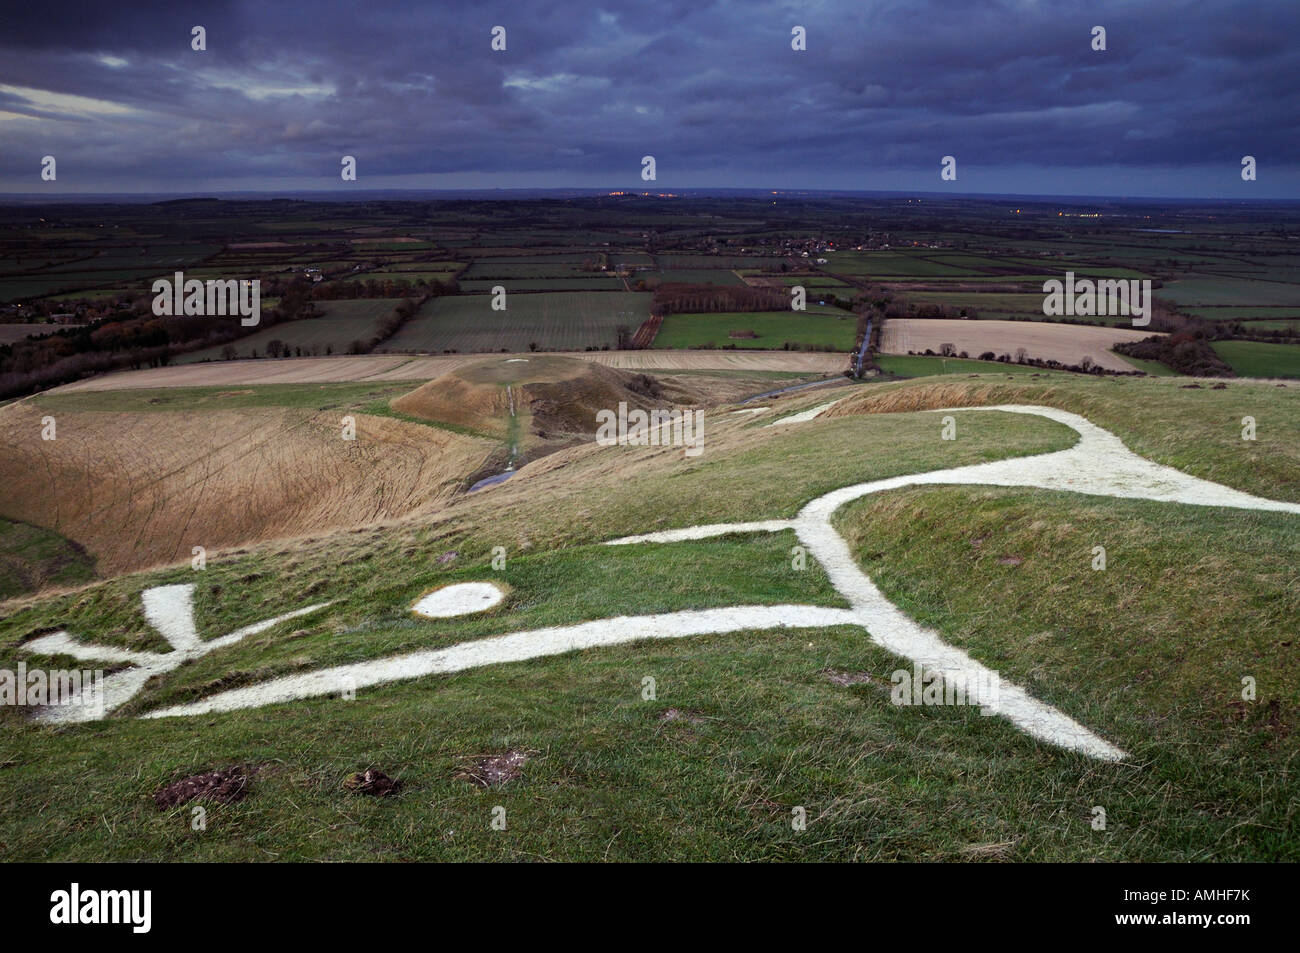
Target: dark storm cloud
(713,90)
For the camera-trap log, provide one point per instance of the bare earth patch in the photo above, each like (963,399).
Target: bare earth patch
(224,786)
(681,714)
(1000,850)
(845,679)
(495,770)
(373,782)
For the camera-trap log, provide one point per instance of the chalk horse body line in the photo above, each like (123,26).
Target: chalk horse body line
(1098,464)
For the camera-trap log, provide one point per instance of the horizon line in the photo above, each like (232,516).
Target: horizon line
(612,192)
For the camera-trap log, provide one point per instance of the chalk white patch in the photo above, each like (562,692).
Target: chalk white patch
(516,647)
(60,643)
(750,410)
(462,598)
(703,532)
(806,415)
(170,610)
(1099,464)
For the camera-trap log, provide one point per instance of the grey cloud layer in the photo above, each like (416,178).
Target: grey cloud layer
(585,91)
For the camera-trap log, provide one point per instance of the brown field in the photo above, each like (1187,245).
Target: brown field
(142,489)
(382,367)
(1067,343)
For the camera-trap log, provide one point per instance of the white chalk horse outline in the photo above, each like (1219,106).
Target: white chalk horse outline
(1098,464)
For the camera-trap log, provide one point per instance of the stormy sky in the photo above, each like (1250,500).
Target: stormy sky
(713,90)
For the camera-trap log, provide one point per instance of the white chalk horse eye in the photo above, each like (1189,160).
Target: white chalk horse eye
(1098,464)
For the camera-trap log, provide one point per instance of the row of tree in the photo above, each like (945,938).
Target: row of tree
(677,298)
(342,289)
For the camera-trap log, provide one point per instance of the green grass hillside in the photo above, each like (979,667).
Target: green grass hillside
(743,729)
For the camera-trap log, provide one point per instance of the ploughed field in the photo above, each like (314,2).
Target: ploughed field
(550,321)
(1067,343)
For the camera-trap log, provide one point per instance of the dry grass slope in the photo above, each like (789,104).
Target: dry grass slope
(138,490)
(549,395)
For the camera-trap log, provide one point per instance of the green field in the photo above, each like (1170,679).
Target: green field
(631,260)
(673,262)
(815,328)
(161,257)
(1259,359)
(366,245)
(47,283)
(890,263)
(123,267)
(592,282)
(1056,268)
(1231,291)
(554,321)
(1292,324)
(695,276)
(1154,368)
(982,302)
(1253,315)
(340,323)
(408,275)
(808,281)
(452,266)
(484,269)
